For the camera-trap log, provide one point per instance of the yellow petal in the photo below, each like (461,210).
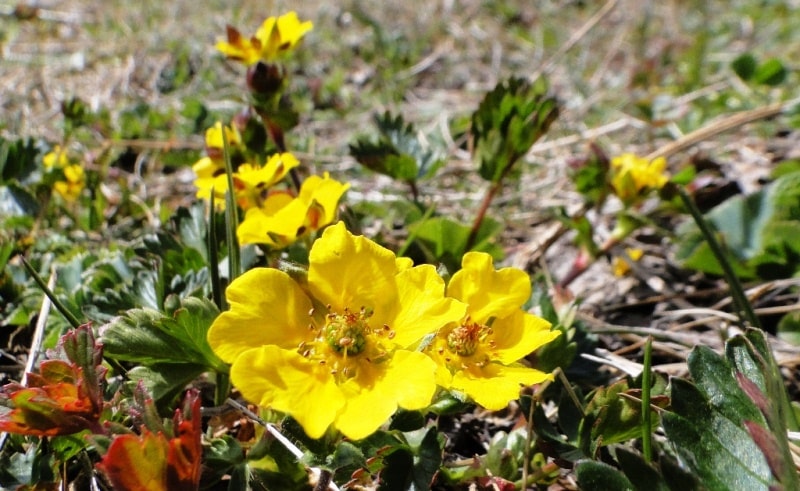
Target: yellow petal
(287,382)
(406,381)
(519,335)
(266,307)
(352,271)
(488,292)
(494,386)
(423,307)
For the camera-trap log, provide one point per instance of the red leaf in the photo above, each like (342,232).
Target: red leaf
(155,462)
(137,462)
(64,397)
(186,450)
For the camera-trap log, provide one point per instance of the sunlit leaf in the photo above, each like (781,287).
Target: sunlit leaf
(148,336)
(65,397)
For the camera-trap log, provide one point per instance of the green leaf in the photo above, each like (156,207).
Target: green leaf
(761,233)
(445,240)
(147,336)
(397,152)
(642,475)
(722,454)
(413,467)
(714,377)
(16,200)
(508,122)
(165,381)
(772,72)
(744,66)
(17,159)
(618,418)
(597,475)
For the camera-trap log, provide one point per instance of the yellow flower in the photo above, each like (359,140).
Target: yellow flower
(632,177)
(620,267)
(276,37)
(214,143)
(283,219)
(336,357)
(74,178)
(251,182)
(57,159)
(479,355)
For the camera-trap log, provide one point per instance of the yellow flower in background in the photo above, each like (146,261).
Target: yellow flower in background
(214,141)
(210,170)
(275,37)
(620,267)
(251,182)
(336,357)
(479,355)
(632,177)
(282,218)
(72,185)
(71,176)
(56,159)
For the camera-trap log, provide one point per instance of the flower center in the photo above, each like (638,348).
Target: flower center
(465,339)
(347,333)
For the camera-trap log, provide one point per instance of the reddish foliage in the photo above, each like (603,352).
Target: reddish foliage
(154,462)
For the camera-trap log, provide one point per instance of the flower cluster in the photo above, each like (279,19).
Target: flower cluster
(633,177)
(276,215)
(70,178)
(351,345)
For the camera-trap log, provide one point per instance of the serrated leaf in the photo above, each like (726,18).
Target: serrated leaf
(714,377)
(722,454)
(508,122)
(597,475)
(164,381)
(397,152)
(147,336)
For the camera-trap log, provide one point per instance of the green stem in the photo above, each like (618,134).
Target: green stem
(647,414)
(744,308)
(231,215)
(73,321)
(213,257)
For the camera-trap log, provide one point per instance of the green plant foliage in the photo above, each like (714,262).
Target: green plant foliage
(597,475)
(761,233)
(445,240)
(745,66)
(718,426)
(770,72)
(508,122)
(17,164)
(615,418)
(397,152)
(148,336)
(412,466)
